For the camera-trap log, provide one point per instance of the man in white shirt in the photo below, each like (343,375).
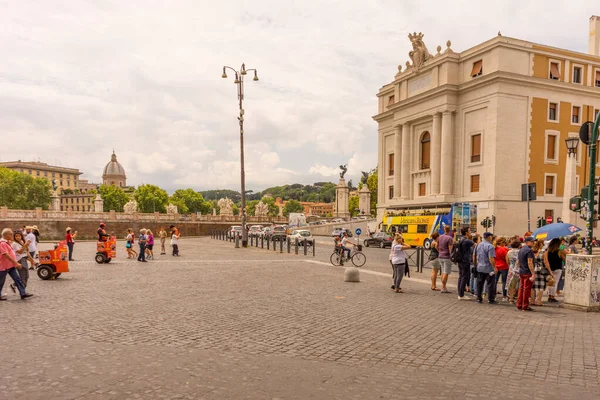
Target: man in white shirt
(32,244)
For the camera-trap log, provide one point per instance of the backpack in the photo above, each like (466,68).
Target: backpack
(456,256)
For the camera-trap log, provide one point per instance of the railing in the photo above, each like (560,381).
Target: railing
(267,243)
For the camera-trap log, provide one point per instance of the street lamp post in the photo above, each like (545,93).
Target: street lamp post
(592,184)
(570,187)
(239,81)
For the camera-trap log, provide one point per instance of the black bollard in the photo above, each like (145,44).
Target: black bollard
(305,249)
(296,246)
(268,248)
(314,244)
(237,242)
(281,246)
(289,242)
(262,242)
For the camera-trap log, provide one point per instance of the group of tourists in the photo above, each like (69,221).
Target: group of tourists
(146,243)
(17,249)
(526,267)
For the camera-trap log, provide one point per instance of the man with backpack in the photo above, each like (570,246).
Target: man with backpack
(465,247)
(445,245)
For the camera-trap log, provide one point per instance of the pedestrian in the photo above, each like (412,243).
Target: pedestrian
(398,261)
(142,244)
(31,241)
(501,265)
(554,257)
(392,264)
(9,264)
(473,283)
(445,244)
(70,239)
(434,256)
(541,272)
(526,266)
(464,266)
(18,246)
(572,247)
(512,279)
(102,235)
(485,260)
(175,243)
(131,253)
(149,244)
(162,234)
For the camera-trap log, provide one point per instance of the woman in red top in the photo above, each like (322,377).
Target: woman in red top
(70,239)
(502,264)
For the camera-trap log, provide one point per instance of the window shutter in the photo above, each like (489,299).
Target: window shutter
(554,74)
(551,150)
(477,68)
(476,148)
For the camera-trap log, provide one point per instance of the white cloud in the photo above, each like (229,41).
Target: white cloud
(143,77)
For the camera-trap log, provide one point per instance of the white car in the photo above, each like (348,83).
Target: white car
(235,230)
(255,230)
(301,235)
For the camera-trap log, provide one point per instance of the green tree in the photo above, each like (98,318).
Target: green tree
(292,206)
(273,209)
(190,201)
(372,185)
(151,198)
(353,206)
(23,192)
(235,209)
(221,194)
(251,207)
(114,197)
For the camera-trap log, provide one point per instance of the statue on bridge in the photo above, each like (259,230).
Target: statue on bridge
(225,206)
(344,170)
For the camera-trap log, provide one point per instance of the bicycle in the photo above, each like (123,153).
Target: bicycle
(357,257)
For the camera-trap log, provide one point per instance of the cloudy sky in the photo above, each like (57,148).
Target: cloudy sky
(79,78)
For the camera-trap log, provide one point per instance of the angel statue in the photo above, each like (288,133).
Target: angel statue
(365,177)
(344,170)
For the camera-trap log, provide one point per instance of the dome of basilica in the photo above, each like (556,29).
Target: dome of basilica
(114,173)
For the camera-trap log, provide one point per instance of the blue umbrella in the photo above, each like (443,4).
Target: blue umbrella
(555,230)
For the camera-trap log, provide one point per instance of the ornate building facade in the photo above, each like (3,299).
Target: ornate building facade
(114,173)
(474,126)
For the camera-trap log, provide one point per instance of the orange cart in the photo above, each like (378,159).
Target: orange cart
(53,262)
(106,251)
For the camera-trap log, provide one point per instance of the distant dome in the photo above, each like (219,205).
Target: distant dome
(114,173)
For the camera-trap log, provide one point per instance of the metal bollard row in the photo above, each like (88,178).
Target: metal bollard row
(225,235)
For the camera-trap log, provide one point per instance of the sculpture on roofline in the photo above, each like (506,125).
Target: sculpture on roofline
(225,206)
(344,170)
(365,177)
(130,207)
(261,210)
(420,54)
(171,209)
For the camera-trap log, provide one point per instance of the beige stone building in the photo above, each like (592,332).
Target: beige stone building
(65,178)
(473,126)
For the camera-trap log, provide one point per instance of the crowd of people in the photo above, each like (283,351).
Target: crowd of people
(525,267)
(17,250)
(145,242)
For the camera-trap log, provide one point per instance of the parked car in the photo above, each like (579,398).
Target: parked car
(235,230)
(337,221)
(266,232)
(340,231)
(381,239)
(255,231)
(302,235)
(278,233)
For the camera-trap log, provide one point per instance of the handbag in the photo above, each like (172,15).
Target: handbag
(128,245)
(550,281)
(433,254)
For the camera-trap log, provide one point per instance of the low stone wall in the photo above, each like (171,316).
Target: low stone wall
(325,230)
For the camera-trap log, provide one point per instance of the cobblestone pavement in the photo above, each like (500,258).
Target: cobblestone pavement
(224,323)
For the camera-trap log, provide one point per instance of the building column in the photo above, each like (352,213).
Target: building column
(436,140)
(405,178)
(397,160)
(570,189)
(382,173)
(447,154)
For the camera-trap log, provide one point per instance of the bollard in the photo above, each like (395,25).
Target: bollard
(422,264)
(262,242)
(281,246)
(314,244)
(418,262)
(305,249)
(237,242)
(289,243)
(268,248)
(296,246)
(351,274)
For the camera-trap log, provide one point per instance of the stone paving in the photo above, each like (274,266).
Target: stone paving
(225,323)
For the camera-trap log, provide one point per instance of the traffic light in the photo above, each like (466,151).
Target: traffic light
(540,222)
(575,204)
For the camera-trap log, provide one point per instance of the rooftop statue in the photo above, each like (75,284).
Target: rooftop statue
(420,54)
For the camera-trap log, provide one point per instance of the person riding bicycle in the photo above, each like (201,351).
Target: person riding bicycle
(345,241)
(102,235)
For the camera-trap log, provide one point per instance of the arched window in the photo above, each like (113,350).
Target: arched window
(425,150)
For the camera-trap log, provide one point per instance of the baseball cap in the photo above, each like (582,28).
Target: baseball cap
(529,239)
(487,235)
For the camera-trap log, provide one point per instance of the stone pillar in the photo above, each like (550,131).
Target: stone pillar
(342,193)
(3,211)
(112,215)
(436,144)
(364,200)
(405,179)
(447,154)
(582,283)
(214,211)
(570,189)
(55,202)
(98,203)
(38,212)
(397,160)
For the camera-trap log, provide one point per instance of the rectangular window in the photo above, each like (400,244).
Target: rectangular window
(37,173)
(391,192)
(551,147)
(477,68)
(474,183)
(552,111)
(597,78)
(476,148)
(391,100)
(554,73)
(422,228)
(422,189)
(45,173)
(391,164)
(29,172)
(549,184)
(575,114)
(576,74)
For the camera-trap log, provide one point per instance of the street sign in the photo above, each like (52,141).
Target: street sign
(549,219)
(358,231)
(584,132)
(528,192)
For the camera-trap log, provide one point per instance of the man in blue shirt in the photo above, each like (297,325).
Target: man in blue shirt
(526,274)
(485,259)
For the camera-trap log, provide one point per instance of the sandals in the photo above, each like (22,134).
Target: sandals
(435,289)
